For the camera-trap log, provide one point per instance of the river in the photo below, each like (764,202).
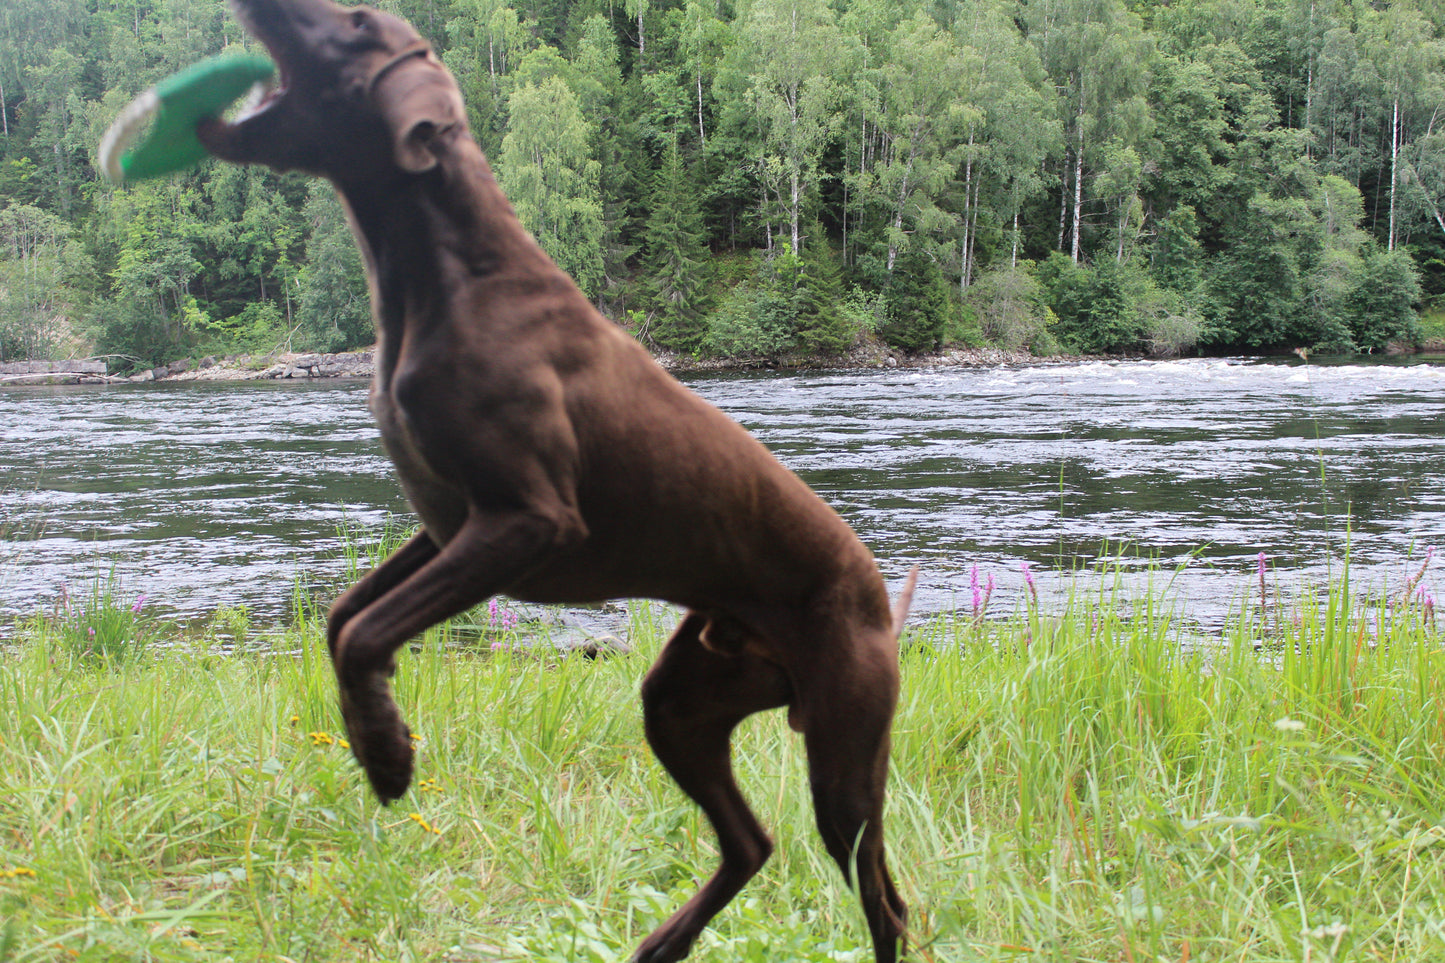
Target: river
(203,495)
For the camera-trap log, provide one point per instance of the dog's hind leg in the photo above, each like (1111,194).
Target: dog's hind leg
(845,714)
(692,700)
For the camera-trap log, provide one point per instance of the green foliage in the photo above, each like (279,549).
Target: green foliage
(335,309)
(102,626)
(759,317)
(1112,307)
(549,176)
(1171,325)
(788,302)
(823,327)
(1250,152)
(42,272)
(1095,306)
(258,328)
(1011,306)
(1177,259)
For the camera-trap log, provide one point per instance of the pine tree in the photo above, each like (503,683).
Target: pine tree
(821,326)
(676,263)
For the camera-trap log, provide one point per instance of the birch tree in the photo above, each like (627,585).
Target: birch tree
(1097,56)
(546,168)
(1398,39)
(790,49)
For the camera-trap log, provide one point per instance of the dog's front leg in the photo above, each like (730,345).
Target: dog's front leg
(490,551)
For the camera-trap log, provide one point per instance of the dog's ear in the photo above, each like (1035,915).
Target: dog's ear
(419,101)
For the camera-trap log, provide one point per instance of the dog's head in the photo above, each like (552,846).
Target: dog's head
(359,94)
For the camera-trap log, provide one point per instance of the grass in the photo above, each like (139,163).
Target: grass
(1089,784)
(1432,324)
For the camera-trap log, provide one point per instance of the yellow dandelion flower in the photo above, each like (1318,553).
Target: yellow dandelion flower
(321,738)
(13,872)
(426,826)
(343,743)
(294,719)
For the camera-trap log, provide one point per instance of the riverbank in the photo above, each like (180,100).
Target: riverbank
(303,366)
(288,365)
(1086,784)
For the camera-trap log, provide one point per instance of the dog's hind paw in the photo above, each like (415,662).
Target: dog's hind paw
(380,740)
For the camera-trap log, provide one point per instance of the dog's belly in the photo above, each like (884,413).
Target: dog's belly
(584,576)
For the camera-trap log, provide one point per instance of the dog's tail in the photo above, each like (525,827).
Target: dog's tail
(905,600)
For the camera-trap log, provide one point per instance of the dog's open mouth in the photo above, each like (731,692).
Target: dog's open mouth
(262,98)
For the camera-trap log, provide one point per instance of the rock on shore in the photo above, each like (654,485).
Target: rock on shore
(85,371)
(346,364)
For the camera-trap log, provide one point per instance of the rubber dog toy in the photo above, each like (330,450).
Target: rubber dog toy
(172,109)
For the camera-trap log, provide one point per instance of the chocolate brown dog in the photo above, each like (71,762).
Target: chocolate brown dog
(549,458)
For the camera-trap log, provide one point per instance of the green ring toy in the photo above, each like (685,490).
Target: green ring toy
(172,108)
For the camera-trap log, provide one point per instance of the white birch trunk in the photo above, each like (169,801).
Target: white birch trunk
(797,248)
(1078,174)
(898,208)
(1394,166)
(1078,196)
(1063,200)
(1014,256)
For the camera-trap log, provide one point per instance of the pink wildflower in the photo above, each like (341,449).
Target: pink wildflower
(1414,580)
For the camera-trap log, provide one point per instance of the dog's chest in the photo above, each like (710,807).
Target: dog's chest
(441,505)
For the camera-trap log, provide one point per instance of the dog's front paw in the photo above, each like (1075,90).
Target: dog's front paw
(380,740)
(672,941)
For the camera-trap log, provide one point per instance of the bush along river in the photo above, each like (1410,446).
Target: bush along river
(1176,475)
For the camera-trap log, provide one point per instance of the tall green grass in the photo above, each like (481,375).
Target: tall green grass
(1095,783)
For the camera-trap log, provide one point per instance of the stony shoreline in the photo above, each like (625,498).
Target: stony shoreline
(296,366)
(360,364)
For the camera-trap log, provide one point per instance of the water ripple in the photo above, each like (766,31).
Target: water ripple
(204,495)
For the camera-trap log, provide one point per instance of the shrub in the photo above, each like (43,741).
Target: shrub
(1102,309)
(752,322)
(1010,305)
(1381,306)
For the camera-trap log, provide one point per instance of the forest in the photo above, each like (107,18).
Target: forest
(787,179)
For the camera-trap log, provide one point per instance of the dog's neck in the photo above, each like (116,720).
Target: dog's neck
(441,231)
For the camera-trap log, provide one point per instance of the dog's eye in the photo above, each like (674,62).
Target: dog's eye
(361,22)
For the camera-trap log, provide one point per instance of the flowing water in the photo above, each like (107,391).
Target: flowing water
(208,495)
